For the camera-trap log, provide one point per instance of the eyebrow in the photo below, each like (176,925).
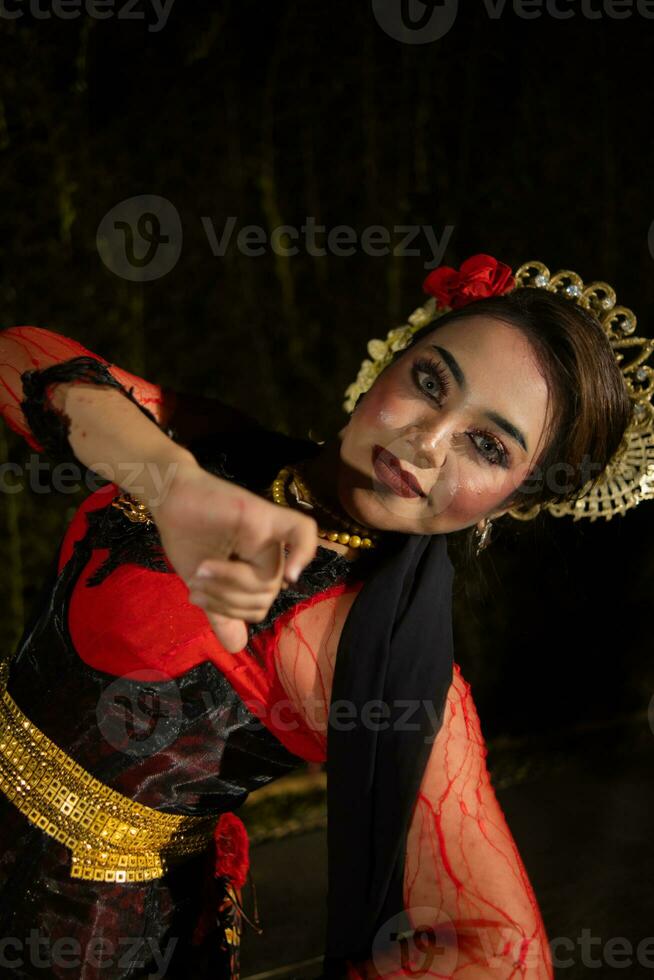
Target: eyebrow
(460,379)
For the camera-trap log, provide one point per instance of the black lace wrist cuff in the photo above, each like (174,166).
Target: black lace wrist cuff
(51,427)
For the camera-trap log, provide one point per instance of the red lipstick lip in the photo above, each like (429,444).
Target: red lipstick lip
(388,469)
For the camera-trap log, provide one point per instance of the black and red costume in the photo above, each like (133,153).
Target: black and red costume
(114,648)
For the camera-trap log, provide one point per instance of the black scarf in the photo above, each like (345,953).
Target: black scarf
(396,646)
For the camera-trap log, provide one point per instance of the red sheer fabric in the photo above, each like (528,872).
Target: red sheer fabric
(159,630)
(466,890)
(468,898)
(28,348)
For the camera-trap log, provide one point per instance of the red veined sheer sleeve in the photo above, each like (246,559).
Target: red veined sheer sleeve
(463,864)
(467,895)
(35,349)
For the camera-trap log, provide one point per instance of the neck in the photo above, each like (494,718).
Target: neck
(321,472)
(321,475)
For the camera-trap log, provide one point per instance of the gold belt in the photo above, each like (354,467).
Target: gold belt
(111,837)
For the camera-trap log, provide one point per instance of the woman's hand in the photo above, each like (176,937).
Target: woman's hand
(207,523)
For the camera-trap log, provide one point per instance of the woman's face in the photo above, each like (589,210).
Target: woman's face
(465,421)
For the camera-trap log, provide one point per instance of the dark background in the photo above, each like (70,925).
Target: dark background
(518,133)
(531,137)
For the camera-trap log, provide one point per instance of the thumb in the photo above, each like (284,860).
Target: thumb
(269,561)
(301,537)
(232,633)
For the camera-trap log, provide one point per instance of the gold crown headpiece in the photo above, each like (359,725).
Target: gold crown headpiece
(629,476)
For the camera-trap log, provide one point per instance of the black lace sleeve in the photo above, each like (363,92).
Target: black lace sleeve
(52,427)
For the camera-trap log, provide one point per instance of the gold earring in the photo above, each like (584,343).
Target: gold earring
(483,537)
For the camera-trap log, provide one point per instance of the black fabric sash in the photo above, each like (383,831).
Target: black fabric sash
(397,647)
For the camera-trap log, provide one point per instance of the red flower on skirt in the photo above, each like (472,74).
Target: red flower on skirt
(480,276)
(232,849)
(227,871)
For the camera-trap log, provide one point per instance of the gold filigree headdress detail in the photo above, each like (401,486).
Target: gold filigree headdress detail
(629,477)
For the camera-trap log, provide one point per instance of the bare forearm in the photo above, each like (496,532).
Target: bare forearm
(110,435)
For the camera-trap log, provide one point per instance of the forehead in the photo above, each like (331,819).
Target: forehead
(499,340)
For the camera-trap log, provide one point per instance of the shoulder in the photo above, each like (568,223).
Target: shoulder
(251,458)
(79,525)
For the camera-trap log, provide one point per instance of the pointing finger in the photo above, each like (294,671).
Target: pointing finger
(302,539)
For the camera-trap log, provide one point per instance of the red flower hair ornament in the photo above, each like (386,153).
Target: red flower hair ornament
(480,276)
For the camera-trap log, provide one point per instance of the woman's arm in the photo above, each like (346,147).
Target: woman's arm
(186,417)
(463,865)
(466,891)
(34,349)
(198,515)
(61,397)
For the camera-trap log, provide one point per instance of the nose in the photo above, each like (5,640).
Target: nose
(431,444)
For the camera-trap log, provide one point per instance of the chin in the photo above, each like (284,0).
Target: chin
(356,506)
(366,509)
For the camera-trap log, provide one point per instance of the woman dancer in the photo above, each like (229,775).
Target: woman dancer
(518,381)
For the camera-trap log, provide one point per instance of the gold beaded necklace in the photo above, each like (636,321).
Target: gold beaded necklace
(352,534)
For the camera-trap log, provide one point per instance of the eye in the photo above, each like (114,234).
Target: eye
(436,375)
(497,454)
(494,453)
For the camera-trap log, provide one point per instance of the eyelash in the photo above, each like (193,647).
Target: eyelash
(437,373)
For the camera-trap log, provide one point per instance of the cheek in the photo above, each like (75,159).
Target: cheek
(476,494)
(382,407)
(377,418)
(469,503)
